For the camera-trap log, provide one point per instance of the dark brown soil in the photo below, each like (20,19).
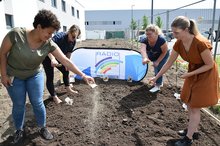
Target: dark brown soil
(118,113)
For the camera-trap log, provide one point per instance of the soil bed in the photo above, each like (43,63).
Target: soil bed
(118,113)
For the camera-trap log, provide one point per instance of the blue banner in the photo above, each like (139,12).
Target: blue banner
(113,63)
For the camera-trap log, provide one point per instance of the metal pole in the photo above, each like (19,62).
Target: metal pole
(213,21)
(152,11)
(217,36)
(138,32)
(132,31)
(167,25)
(179,8)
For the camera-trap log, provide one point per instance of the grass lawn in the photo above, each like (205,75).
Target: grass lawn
(216,109)
(217,59)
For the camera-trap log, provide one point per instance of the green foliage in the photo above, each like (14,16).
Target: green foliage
(159,22)
(145,22)
(217,59)
(215,109)
(133,25)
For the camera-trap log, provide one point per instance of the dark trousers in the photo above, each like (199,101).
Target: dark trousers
(49,71)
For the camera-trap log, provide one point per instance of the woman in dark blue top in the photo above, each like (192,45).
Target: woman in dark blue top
(154,49)
(66,42)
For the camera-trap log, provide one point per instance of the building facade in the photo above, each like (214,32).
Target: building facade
(120,20)
(20,13)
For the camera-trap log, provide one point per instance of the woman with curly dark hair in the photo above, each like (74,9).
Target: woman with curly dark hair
(22,52)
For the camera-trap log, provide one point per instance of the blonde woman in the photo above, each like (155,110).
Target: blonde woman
(66,41)
(154,49)
(201,84)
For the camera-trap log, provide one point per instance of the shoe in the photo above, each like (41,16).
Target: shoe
(155,89)
(184,132)
(45,133)
(18,136)
(184,142)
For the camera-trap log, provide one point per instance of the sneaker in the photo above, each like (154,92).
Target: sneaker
(184,142)
(45,133)
(184,132)
(18,136)
(155,89)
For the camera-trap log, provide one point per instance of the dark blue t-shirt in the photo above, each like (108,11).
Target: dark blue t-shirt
(155,51)
(61,39)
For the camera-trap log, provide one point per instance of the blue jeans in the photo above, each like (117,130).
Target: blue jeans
(157,69)
(34,86)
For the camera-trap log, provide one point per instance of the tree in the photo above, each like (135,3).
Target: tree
(159,22)
(145,22)
(133,25)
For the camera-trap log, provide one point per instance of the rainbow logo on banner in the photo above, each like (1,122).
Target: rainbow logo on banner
(106,64)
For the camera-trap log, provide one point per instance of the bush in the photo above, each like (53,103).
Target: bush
(215,109)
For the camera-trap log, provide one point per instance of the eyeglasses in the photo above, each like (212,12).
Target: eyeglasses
(149,34)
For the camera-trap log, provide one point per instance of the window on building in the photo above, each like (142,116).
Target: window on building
(117,22)
(54,3)
(77,11)
(64,28)
(73,11)
(63,5)
(9,21)
(103,23)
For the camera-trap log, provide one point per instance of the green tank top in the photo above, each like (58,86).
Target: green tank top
(22,61)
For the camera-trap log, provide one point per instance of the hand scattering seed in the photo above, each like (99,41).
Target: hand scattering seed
(93,85)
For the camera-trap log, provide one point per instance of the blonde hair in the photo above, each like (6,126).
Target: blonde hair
(74,28)
(183,22)
(153,28)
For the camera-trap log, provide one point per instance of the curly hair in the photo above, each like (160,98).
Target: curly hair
(153,28)
(46,19)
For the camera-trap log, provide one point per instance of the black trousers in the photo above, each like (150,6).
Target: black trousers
(49,71)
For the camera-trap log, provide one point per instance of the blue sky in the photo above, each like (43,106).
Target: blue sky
(145,4)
